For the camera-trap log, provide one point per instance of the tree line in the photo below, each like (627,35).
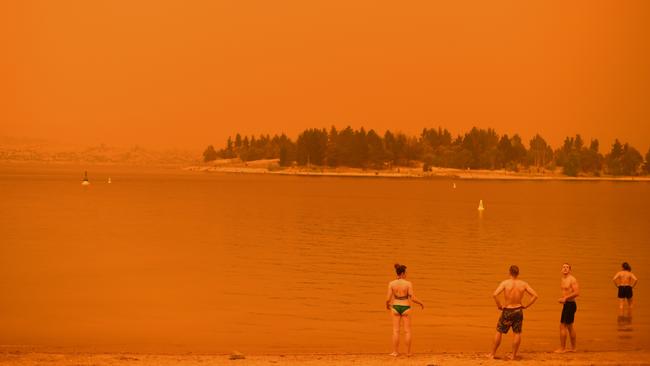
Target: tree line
(476,149)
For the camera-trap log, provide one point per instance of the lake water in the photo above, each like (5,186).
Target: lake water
(166,260)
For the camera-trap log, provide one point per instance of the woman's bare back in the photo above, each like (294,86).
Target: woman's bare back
(401,291)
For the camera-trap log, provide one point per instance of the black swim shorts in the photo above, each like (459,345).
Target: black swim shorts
(624,292)
(511,318)
(568,312)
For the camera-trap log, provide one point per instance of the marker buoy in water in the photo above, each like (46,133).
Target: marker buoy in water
(85,181)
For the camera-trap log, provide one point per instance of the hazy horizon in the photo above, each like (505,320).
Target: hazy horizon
(60,144)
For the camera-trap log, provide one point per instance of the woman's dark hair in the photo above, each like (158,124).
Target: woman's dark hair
(626,266)
(400,268)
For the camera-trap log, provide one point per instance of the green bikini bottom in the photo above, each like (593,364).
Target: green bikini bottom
(401,308)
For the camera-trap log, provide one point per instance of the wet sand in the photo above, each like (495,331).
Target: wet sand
(24,358)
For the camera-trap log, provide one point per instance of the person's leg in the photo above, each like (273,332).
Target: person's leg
(563,334)
(516,341)
(572,335)
(495,345)
(396,320)
(621,303)
(407,331)
(630,303)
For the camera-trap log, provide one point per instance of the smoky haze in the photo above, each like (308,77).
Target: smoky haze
(187,74)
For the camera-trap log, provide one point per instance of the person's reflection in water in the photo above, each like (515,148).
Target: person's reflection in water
(624,321)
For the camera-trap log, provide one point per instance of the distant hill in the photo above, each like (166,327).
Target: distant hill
(33,150)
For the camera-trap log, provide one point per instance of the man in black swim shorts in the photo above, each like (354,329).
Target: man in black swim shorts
(625,281)
(570,290)
(568,312)
(624,292)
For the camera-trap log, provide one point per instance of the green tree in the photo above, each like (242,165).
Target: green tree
(578,143)
(575,157)
(287,151)
(630,160)
(254,151)
(376,153)
(518,150)
(238,141)
(359,157)
(646,166)
(562,154)
(538,150)
(435,138)
(210,154)
(571,164)
(591,159)
(400,155)
(389,142)
(311,147)
(504,151)
(229,151)
(613,159)
(482,144)
(344,147)
(332,149)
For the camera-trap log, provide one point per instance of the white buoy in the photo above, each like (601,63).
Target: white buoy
(109,180)
(480,205)
(454,185)
(85,181)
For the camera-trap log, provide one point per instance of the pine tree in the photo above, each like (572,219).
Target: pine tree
(210,154)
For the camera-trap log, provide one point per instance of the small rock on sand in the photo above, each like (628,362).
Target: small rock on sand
(235,355)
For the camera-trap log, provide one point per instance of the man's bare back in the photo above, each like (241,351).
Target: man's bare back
(625,281)
(513,291)
(625,278)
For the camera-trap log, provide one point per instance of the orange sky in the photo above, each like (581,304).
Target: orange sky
(189,73)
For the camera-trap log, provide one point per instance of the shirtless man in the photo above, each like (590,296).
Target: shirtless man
(398,301)
(570,290)
(625,280)
(512,311)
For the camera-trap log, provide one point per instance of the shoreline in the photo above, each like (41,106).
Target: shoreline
(262,167)
(270,167)
(17,357)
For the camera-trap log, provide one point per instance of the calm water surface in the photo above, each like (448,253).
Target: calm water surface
(167,260)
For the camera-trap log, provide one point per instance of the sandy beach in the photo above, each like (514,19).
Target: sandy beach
(270,166)
(9,356)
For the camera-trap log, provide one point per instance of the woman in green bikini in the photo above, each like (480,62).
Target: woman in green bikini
(398,301)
